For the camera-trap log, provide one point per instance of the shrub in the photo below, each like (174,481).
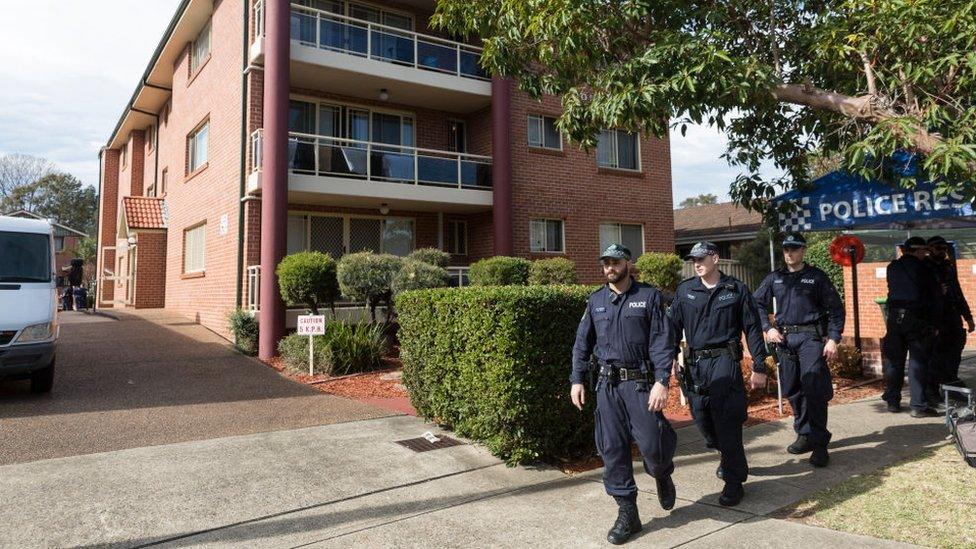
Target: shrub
(818,255)
(663,271)
(416,275)
(500,271)
(431,256)
(493,363)
(368,277)
(308,278)
(847,363)
(556,270)
(245,329)
(345,348)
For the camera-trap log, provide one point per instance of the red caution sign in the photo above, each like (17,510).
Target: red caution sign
(841,248)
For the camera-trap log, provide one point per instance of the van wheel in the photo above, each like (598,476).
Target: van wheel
(42,380)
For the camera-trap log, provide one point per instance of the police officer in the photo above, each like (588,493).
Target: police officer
(712,310)
(625,329)
(952,338)
(809,321)
(914,303)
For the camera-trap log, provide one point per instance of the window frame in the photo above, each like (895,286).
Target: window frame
(123,155)
(202,226)
(196,64)
(453,228)
(619,225)
(615,132)
(190,142)
(346,229)
(163,180)
(545,221)
(541,119)
(151,138)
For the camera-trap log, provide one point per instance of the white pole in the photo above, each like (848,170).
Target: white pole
(311,355)
(772,267)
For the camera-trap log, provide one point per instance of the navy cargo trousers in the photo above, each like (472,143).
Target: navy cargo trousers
(720,413)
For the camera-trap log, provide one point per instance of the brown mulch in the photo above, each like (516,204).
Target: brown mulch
(356,386)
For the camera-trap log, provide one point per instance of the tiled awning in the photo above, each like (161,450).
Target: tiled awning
(143,212)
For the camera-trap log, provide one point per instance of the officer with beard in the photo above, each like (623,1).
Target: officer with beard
(625,329)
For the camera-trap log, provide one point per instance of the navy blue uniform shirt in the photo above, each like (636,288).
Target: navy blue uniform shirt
(712,317)
(633,330)
(803,297)
(954,301)
(913,285)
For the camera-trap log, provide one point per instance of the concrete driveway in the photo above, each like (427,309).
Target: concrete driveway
(153,378)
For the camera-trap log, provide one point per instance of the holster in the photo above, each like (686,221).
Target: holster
(735,347)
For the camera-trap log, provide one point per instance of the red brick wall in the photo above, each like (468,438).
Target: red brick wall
(108,208)
(568,185)
(150,290)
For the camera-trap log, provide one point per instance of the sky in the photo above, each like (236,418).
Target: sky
(70,66)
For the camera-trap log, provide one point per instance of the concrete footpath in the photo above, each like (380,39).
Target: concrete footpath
(350,484)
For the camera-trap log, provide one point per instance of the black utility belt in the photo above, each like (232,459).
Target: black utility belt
(710,353)
(622,373)
(800,329)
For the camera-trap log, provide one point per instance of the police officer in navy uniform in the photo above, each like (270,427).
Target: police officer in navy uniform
(625,328)
(809,322)
(711,311)
(952,337)
(914,307)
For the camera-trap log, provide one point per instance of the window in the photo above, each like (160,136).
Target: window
(194,248)
(546,235)
(59,244)
(338,235)
(151,137)
(459,136)
(197,146)
(164,115)
(123,154)
(631,236)
(543,133)
(457,237)
(617,149)
(162,181)
(200,49)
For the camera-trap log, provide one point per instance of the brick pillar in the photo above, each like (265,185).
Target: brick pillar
(501,165)
(274,180)
(108,219)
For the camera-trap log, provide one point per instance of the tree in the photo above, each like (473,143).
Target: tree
(21,169)
(857,78)
(58,196)
(700,200)
(308,278)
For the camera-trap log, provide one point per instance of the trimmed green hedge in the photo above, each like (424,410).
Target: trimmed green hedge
(555,270)
(661,270)
(493,363)
(818,255)
(500,271)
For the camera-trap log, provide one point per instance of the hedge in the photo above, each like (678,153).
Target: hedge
(818,255)
(500,271)
(417,275)
(555,270)
(493,363)
(431,256)
(661,270)
(308,278)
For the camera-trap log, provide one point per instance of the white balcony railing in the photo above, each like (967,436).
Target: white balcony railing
(254,288)
(257,142)
(335,32)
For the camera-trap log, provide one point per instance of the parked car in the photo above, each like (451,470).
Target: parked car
(28,302)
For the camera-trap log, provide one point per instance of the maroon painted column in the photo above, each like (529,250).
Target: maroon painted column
(501,165)
(274,176)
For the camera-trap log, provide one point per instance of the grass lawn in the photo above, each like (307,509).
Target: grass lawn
(929,500)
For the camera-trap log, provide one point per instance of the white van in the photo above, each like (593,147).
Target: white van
(28,302)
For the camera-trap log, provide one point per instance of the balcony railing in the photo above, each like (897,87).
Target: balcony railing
(257,144)
(254,288)
(258,15)
(340,33)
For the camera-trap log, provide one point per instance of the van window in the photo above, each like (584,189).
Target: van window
(25,257)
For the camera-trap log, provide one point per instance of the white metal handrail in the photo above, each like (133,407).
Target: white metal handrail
(415,153)
(258,18)
(372,28)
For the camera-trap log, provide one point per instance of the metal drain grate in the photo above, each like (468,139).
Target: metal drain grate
(421,444)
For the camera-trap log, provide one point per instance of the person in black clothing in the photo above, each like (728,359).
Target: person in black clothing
(809,322)
(914,306)
(952,337)
(625,329)
(711,311)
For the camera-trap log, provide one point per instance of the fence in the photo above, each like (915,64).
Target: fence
(730,267)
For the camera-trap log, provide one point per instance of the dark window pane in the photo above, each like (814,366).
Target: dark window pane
(627,150)
(552,134)
(26,257)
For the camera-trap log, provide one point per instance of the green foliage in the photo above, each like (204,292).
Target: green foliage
(663,271)
(555,270)
(431,256)
(818,255)
(500,271)
(245,329)
(700,200)
(417,275)
(58,196)
(344,349)
(308,278)
(493,362)
(754,255)
(368,277)
(784,81)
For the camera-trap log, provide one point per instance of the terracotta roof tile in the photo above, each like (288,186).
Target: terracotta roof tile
(143,212)
(717,218)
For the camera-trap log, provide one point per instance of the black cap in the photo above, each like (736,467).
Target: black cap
(914,243)
(616,251)
(794,240)
(701,250)
(937,241)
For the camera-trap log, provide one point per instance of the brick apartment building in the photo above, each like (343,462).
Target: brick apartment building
(264,128)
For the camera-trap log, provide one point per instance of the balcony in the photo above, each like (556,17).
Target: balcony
(348,172)
(358,58)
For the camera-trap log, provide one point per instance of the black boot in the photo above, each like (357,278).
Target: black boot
(819,457)
(666,493)
(628,521)
(800,446)
(731,494)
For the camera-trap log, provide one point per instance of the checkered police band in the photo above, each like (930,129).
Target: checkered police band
(798,219)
